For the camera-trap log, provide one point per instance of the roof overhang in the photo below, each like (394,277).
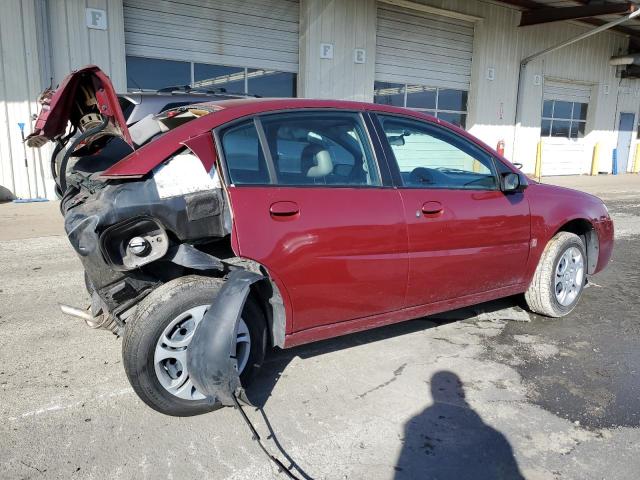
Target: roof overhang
(592,12)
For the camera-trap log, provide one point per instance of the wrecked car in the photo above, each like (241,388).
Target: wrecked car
(277,222)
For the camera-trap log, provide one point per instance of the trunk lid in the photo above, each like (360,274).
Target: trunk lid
(84,98)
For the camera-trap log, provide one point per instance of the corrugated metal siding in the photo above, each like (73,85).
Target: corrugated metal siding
(500,44)
(347,24)
(40,42)
(20,84)
(73,45)
(249,33)
(424,49)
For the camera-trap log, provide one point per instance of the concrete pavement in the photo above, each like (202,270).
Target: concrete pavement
(479,393)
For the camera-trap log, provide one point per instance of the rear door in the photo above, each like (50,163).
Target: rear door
(465,235)
(309,203)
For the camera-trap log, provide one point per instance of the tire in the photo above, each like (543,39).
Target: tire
(542,295)
(153,316)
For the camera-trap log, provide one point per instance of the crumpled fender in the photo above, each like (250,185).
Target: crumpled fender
(210,357)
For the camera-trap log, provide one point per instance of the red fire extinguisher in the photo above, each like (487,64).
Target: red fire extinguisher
(500,147)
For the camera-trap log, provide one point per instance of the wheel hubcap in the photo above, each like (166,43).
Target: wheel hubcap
(170,358)
(569,276)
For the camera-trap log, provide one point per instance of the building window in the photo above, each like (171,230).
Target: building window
(444,103)
(563,119)
(153,74)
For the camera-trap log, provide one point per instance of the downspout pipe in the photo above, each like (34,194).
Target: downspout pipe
(546,51)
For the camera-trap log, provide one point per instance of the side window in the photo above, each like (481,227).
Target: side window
(429,156)
(320,148)
(243,155)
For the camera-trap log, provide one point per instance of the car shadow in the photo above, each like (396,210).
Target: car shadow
(450,440)
(277,360)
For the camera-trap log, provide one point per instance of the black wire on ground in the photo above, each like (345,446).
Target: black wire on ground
(256,437)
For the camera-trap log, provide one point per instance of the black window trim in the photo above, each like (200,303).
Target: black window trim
(392,163)
(379,158)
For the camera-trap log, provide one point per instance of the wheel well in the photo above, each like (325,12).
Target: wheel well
(585,230)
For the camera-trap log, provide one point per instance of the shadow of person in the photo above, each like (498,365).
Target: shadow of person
(449,440)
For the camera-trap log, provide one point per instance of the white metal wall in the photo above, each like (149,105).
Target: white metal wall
(347,25)
(500,45)
(41,41)
(20,83)
(422,48)
(244,33)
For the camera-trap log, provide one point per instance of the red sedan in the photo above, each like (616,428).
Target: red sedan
(263,222)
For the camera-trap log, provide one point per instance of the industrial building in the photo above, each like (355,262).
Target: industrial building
(470,62)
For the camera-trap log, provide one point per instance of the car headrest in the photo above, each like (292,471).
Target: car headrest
(316,161)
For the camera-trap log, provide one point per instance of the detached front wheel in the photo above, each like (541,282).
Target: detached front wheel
(157,338)
(559,279)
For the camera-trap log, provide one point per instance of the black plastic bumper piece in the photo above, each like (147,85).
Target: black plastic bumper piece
(210,357)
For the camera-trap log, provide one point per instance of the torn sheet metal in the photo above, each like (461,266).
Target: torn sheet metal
(190,257)
(211,355)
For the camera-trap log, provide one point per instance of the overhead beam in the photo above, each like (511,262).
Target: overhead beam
(554,14)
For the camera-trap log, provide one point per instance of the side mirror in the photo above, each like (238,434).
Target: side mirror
(518,166)
(512,182)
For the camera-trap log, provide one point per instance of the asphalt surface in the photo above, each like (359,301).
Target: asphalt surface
(487,392)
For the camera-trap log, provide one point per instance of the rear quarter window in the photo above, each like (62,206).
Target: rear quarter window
(243,155)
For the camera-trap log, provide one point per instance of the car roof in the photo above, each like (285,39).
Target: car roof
(293,103)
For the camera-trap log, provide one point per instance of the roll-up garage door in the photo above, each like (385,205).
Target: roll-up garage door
(423,49)
(254,34)
(563,126)
(567,92)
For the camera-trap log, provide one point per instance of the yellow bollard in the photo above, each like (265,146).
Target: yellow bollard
(538,172)
(595,159)
(636,160)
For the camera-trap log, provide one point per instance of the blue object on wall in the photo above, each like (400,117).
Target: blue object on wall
(614,166)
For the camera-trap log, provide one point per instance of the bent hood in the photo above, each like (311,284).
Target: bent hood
(84,98)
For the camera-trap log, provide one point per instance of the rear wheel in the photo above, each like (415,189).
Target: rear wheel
(157,338)
(559,279)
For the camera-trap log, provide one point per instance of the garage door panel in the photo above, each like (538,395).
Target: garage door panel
(425,43)
(425,49)
(143,18)
(274,16)
(393,76)
(423,32)
(439,55)
(199,32)
(254,34)
(417,21)
(567,92)
(189,55)
(437,69)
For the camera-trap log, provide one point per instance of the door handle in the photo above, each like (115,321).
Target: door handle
(432,208)
(284,209)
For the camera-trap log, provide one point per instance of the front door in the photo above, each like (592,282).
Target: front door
(308,203)
(625,135)
(465,235)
